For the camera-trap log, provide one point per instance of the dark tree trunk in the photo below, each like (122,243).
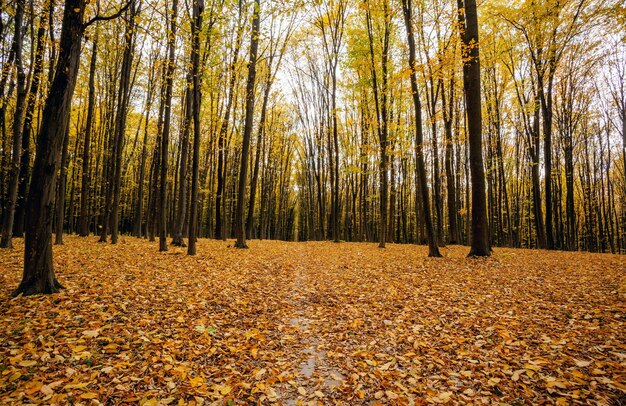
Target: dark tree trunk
(38,274)
(546,108)
(257,157)
(448,111)
(382,118)
(61,189)
(240,226)
(18,224)
(16,154)
(221,142)
(471,83)
(137,227)
(433,249)
(536,187)
(169,78)
(154,168)
(198,7)
(120,118)
(179,222)
(83,227)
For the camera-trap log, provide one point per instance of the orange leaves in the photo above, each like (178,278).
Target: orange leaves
(311,323)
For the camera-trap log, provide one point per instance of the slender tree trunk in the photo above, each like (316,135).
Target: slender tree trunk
(546,108)
(221,142)
(154,169)
(471,83)
(16,155)
(198,7)
(169,78)
(61,190)
(380,102)
(179,222)
(240,226)
(433,249)
(83,227)
(120,118)
(448,111)
(257,158)
(137,227)
(27,128)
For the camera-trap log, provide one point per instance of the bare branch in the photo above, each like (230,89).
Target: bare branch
(109,17)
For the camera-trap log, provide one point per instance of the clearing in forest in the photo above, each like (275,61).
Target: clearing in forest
(314,322)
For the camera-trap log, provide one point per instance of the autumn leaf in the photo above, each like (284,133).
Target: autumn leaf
(284,316)
(91,333)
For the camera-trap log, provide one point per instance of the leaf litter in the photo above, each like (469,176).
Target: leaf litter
(314,323)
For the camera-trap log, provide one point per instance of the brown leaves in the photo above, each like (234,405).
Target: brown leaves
(313,323)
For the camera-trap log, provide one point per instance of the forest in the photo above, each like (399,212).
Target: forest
(312,201)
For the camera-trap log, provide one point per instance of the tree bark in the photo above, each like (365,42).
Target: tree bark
(198,8)
(179,222)
(471,83)
(448,111)
(16,154)
(221,142)
(240,226)
(61,189)
(38,276)
(120,118)
(169,79)
(83,227)
(433,249)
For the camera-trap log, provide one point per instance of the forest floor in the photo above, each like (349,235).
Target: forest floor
(314,323)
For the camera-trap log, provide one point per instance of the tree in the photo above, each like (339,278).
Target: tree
(382,113)
(468,26)
(240,225)
(9,215)
(167,114)
(198,8)
(120,116)
(221,143)
(38,276)
(27,127)
(83,227)
(433,249)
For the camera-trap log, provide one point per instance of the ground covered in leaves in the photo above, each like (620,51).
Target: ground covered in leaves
(314,323)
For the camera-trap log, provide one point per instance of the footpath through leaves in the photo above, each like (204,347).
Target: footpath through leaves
(319,323)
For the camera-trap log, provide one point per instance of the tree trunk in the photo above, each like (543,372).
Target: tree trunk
(382,116)
(61,189)
(198,7)
(83,227)
(16,155)
(471,83)
(257,157)
(433,249)
(179,222)
(38,276)
(33,94)
(221,142)
(240,226)
(546,108)
(169,78)
(120,118)
(448,111)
